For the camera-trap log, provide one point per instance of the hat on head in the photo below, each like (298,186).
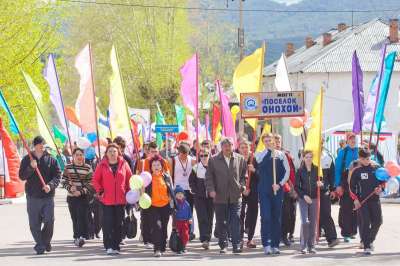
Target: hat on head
(179,189)
(38,140)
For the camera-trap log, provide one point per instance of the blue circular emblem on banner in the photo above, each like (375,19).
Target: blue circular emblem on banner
(250,104)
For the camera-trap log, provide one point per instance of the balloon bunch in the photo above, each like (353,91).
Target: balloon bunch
(390,174)
(297,124)
(137,183)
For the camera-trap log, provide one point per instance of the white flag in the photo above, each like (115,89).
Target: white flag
(282,82)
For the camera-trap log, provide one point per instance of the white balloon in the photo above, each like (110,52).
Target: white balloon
(392,186)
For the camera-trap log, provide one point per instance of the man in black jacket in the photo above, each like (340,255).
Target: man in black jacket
(363,184)
(40,198)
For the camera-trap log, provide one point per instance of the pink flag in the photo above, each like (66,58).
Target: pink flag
(227,122)
(85,104)
(188,84)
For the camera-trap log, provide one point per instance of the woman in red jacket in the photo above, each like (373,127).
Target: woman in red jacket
(111,182)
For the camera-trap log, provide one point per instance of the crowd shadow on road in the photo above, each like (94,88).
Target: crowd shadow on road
(93,251)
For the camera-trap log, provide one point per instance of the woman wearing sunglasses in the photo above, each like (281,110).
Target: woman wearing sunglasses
(204,205)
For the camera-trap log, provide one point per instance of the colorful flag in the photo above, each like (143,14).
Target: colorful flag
(358,94)
(216,119)
(59,135)
(119,119)
(260,145)
(373,91)
(180,117)
(37,98)
(50,74)
(228,127)
(159,121)
(314,135)
(85,105)
(248,76)
(282,82)
(189,74)
(136,140)
(385,85)
(13,124)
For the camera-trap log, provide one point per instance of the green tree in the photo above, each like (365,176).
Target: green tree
(28,29)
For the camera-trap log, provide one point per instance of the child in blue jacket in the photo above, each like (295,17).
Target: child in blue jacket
(183,216)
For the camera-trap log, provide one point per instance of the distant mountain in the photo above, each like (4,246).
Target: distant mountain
(279,28)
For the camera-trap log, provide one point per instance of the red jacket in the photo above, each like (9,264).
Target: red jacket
(112,188)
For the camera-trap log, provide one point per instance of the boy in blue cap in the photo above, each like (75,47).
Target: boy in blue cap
(183,216)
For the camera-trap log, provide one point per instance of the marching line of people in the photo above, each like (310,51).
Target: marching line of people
(235,187)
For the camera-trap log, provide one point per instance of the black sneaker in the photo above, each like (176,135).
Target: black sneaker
(237,251)
(291,239)
(81,242)
(49,248)
(222,251)
(192,236)
(39,250)
(286,242)
(333,243)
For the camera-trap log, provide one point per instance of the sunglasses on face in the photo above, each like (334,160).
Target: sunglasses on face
(203,155)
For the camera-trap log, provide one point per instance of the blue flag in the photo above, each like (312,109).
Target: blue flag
(13,123)
(387,76)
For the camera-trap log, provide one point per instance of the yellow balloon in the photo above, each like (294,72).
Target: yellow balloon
(296,131)
(235,110)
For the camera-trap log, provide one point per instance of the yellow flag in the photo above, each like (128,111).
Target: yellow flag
(37,97)
(248,76)
(218,136)
(315,132)
(119,119)
(260,145)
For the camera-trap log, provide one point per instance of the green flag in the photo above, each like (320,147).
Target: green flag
(180,117)
(159,121)
(59,135)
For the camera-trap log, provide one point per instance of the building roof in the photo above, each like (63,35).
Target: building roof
(367,39)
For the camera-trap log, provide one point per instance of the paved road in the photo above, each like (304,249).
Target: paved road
(16,246)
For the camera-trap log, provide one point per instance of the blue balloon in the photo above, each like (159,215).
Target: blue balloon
(90,153)
(382,174)
(398,178)
(92,137)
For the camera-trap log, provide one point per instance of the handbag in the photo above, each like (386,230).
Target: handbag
(130,225)
(175,242)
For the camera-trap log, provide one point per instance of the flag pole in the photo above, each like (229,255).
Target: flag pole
(126,108)
(377,94)
(41,115)
(319,167)
(197,107)
(21,136)
(62,104)
(222,109)
(94,99)
(253,148)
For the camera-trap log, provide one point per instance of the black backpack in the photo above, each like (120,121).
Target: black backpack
(175,243)
(130,225)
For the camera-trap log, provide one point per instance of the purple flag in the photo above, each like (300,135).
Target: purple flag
(50,74)
(227,121)
(188,85)
(358,94)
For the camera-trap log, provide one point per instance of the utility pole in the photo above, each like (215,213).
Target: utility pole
(241,30)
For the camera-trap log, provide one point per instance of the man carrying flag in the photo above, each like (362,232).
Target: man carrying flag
(273,170)
(40,199)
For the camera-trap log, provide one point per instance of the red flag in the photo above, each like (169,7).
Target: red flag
(13,185)
(216,118)
(136,139)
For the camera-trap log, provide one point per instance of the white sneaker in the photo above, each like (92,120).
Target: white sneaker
(276,251)
(115,252)
(367,251)
(76,242)
(267,250)
(148,246)
(157,254)
(110,251)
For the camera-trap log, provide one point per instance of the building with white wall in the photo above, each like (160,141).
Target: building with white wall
(327,61)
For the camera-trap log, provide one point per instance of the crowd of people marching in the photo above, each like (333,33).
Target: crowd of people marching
(235,186)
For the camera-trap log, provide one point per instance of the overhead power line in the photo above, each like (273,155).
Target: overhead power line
(230,9)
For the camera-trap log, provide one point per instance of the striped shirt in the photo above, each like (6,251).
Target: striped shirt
(78,176)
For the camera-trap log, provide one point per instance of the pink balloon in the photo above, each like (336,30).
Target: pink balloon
(389,163)
(147,178)
(296,122)
(393,170)
(132,196)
